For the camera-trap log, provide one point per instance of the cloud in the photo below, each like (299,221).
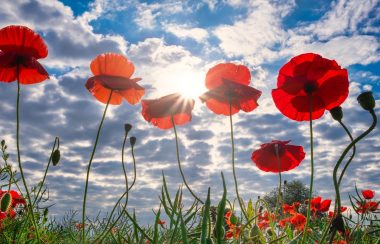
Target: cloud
(184,32)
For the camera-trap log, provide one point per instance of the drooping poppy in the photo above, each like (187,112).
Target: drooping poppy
(161,111)
(20,48)
(308,75)
(112,73)
(229,84)
(317,205)
(266,158)
(368,194)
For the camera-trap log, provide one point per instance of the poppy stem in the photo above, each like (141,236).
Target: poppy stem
(56,140)
(89,167)
(179,163)
(29,205)
(311,166)
(352,144)
(126,194)
(279,199)
(233,166)
(352,155)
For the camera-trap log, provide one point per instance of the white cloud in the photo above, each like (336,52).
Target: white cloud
(185,32)
(344,16)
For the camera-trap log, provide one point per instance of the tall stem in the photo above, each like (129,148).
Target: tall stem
(311,166)
(29,205)
(179,163)
(233,166)
(89,167)
(352,155)
(279,199)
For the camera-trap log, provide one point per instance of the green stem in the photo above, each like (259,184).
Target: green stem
(233,166)
(336,185)
(352,155)
(89,167)
(46,170)
(179,163)
(312,168)
(29,205)
(279,199)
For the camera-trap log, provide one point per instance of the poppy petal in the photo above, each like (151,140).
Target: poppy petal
(23,41)
(227,72)
(31,72)
(297,108)
(112,64)
(334,88)
(160,111)
(95,87)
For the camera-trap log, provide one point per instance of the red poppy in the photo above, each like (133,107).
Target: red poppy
(368,194)
(15,196)
(298,221)
(20,47)
(266,159)
(112,73)
(160,111)
(342,210)
(310,74)
(229,84)
(367,206)
(317,205)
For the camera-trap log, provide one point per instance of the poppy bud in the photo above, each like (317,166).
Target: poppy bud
(337,113)
(127,128)
(5,202)
(132,140)
(285,182)
(234,220)
(55,157)
(2,143)
(367,101)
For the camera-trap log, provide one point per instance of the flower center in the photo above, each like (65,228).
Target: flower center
(310,87)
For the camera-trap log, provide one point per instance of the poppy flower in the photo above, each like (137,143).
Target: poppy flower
(298,221)
(308,75)
(368,194)
(266,159)
(229,84)
(20,48)
(112,73)
(317,205)
(367,206)
(161,111)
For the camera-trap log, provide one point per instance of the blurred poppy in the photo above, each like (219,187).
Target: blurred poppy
(229,84)
(112,73)
(368,194)
(15,196)
(291,209)
(298,221)
(317,205)
(20,48)
(310,74)
(266,159)
(364,207)
(161,111)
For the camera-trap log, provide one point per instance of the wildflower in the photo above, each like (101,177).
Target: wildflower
(317,205)
(228,86)
(308,75)
(298,221)
(160,112)
(368,194)
(266,157)
(20,48)
(112,74)
(161,222)
(78,226)
(366,207)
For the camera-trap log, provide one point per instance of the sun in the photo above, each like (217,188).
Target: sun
(189,84)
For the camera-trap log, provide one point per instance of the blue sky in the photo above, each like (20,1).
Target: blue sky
(173,44)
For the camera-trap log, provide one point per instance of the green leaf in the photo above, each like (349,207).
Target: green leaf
(206,214)
(219,227)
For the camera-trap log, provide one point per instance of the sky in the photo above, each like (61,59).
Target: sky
(172,45)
